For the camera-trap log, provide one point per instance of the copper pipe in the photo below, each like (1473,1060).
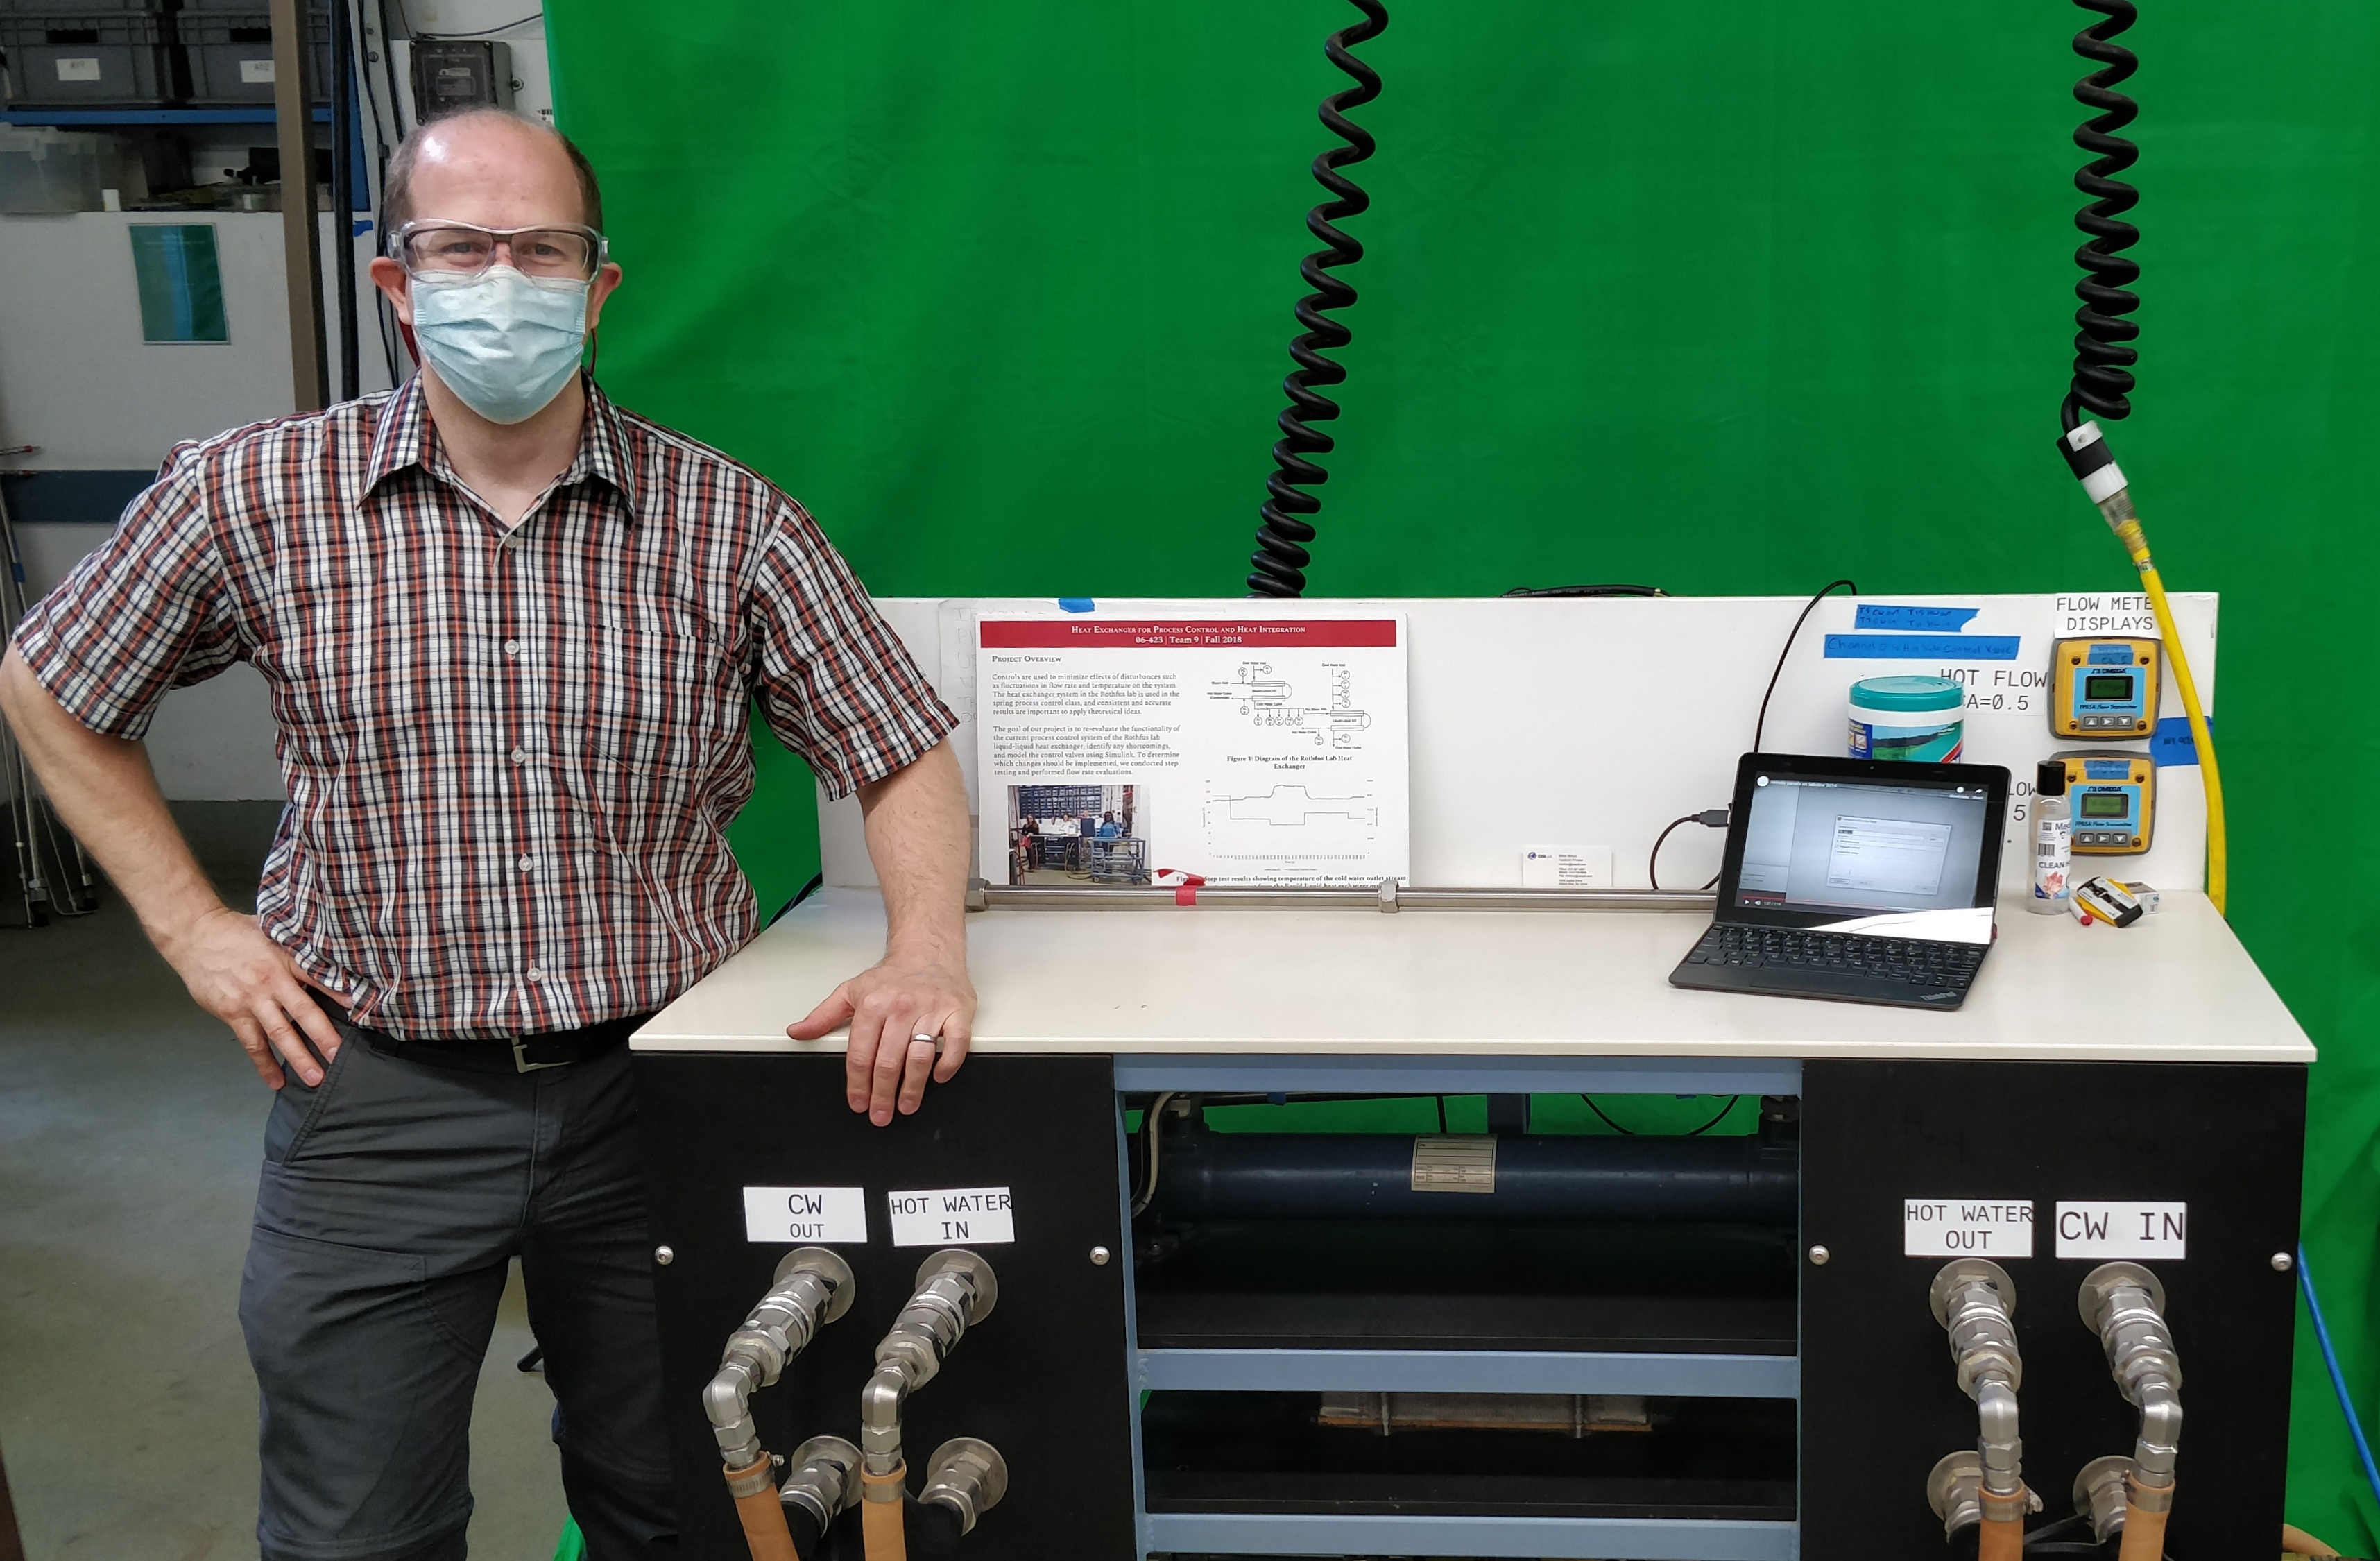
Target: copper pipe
(2145,1525)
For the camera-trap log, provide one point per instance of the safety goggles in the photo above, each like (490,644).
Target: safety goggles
(459,252)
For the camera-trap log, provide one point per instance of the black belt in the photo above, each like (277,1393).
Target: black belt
(522,1053)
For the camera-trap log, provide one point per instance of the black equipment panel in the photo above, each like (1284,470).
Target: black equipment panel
(1880,1401)
(1043,1378)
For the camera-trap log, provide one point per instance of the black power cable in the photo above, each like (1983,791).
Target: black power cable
(345,144)
(1631,1132)
(2103,356)
(1278,562)
(1760,727)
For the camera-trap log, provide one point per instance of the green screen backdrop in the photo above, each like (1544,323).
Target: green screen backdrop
(1723,298)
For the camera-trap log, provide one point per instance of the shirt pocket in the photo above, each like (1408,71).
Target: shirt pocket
(663,697)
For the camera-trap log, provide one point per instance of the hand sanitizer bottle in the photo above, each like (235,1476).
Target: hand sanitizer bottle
(2053,841)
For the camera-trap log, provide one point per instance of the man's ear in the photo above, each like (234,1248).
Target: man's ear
(605,280)
(389,277)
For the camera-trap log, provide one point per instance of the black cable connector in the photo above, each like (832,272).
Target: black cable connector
(1709,818)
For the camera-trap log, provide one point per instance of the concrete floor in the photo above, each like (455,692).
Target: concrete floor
(131,1131)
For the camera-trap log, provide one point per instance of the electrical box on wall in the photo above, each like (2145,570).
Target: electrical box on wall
(451,75)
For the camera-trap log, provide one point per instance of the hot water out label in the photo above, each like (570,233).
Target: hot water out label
(1966,1227)
(2144,1232)
(951,1216)
(823,1215)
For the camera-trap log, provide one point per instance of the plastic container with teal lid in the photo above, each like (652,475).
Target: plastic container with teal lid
(1914,718)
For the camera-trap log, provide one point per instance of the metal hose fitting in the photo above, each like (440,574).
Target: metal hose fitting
(955,1290)
(824,1480)
(1975,1301)
(1955,1491)
(812,1287)
(2124,1304)
(2099,1496)
(969,1476)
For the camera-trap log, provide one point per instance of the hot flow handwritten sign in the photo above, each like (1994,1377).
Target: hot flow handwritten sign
(951,1216)
(831,1215)
(2146,1231)
(1966,1227)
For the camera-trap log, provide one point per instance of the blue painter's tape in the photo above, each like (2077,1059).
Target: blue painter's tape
(1939,620)
(2173,743)
(1076,605)
(1923,647)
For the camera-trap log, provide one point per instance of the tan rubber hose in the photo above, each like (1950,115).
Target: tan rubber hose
(2001,1540)
(763,1517)
(880,1514)
(2143,1535)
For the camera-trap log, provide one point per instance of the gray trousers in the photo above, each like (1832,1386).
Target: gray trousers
(393,1197)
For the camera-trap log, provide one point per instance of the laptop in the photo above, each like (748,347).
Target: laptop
(1862,880)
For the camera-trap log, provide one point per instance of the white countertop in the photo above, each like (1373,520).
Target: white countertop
(2174,987)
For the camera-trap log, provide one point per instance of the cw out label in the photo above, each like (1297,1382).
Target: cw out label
(2123,1230)
(951,1216)
(828,1215)
(1966,1227)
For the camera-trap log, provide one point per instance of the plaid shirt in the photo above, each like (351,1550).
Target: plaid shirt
(512,755)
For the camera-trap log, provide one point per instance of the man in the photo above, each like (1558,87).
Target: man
(511,634)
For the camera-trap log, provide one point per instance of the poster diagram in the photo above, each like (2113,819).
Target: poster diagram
(1243,750)
(1271,701)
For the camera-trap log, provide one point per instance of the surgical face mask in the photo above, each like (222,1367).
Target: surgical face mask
(503,342)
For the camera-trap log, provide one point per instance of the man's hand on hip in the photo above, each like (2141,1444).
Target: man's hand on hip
(249,983)
(902,1012)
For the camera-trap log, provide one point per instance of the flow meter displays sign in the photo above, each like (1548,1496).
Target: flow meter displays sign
(1966,1227)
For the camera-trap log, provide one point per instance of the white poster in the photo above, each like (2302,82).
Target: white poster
(1255,749)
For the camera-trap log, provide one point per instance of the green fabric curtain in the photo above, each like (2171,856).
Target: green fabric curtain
(1731,298)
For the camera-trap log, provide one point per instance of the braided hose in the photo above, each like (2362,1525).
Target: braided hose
(1278,562)
(2102,360)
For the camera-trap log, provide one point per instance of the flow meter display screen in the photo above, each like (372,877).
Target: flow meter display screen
(2105,688)
(2105,805)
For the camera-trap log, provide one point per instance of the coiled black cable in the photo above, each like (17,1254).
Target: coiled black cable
(2103,356)
(1278,562)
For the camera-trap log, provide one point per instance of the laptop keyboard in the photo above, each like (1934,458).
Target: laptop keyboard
(1916,962)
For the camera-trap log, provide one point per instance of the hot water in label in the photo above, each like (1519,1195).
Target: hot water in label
(1966,1227)
(951,1216)
(828,1215)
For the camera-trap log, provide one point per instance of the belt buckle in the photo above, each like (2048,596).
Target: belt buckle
(520,1058)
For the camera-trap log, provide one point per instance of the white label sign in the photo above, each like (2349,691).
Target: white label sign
(2123,1230)
(829,1215)
(255,70)
(1966,1227)
(951,1216)
(2118,613)
(81,68)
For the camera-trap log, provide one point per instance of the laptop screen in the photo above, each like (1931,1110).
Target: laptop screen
(1860,845)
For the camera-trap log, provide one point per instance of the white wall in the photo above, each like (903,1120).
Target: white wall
(77,379)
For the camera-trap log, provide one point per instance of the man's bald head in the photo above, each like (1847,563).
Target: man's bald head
(472,145)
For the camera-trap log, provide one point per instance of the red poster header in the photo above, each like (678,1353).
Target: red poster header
(1116,634)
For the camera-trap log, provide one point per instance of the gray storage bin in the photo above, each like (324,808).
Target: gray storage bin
(85,7)
(89,59)
(230,54)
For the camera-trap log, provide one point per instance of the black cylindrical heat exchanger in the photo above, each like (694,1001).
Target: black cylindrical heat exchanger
(1211,1176)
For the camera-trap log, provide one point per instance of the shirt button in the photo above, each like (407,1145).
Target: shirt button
(529,864)
(537,972)
(512,647)
(520,755)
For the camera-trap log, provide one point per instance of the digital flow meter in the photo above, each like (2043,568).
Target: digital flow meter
(2105,688)
(2114,798)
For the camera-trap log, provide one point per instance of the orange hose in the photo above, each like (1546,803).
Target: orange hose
(881,1522)
(2143,1535)
(764,1520)
(2001,1540)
